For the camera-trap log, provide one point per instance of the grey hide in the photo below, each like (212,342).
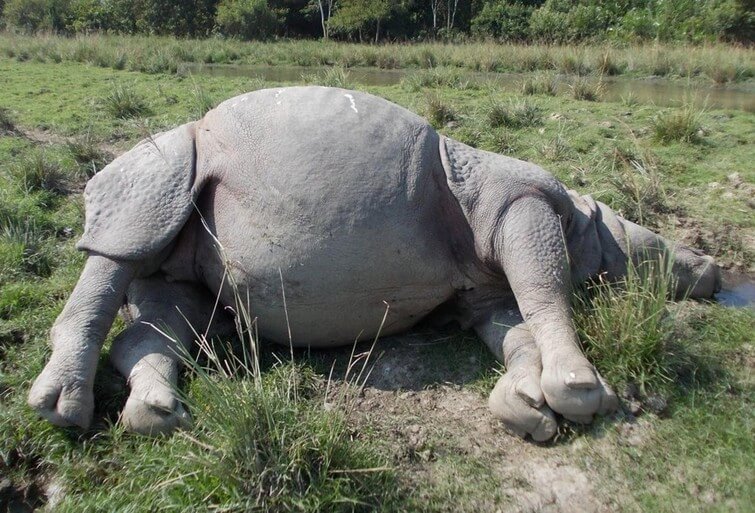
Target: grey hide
(358,203)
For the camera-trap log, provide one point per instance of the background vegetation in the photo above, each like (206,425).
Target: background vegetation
(550,21)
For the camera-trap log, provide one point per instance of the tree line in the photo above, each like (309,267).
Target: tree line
(549,21)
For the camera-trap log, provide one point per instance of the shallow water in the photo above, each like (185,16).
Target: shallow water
(737,290)
(645,91)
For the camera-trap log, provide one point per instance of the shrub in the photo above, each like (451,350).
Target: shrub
(124,103)
(246,19)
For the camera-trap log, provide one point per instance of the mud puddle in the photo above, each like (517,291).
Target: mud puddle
(738,290)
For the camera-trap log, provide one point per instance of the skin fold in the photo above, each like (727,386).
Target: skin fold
(355,202)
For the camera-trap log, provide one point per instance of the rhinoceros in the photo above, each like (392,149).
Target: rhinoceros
(346,202)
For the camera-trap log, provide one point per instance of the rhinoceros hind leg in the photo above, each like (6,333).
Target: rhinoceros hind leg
(147,352)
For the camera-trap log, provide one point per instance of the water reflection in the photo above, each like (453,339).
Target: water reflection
(645,91)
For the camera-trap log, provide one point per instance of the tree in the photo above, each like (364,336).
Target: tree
(247,19)
(326,10)
(356,15)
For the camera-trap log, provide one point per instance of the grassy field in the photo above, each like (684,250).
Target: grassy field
(719,64)
(418,438)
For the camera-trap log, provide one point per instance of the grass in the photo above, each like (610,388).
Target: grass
(514,115)
(150,54)
(643,195)
(678,125)
(438,112)
(437,77)
(7,123)
(541,83)
(583,89)
(124,102)
(203,101)
(237,456)
(37,172)
(627,329)
(336,76)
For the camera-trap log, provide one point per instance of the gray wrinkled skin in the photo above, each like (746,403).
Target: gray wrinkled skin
(356,202)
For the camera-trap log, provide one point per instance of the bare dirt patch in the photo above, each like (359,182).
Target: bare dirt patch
(426,402)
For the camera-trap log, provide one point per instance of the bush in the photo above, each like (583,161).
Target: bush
(246,19)
(107,15)
(27,15)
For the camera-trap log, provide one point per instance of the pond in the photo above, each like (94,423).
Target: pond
(659,92)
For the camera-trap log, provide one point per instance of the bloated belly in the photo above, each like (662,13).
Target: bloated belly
(330,283)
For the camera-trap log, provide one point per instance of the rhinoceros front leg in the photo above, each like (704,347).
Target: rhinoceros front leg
(62,393)
(532,253)
(147,353)
(517,398)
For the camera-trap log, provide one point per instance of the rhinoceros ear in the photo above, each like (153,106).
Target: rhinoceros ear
(137,204)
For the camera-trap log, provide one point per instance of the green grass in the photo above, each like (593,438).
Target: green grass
(124,102)
(7,123)
(698,356)
(627,329)
(438,112)
(163,55)
(336,76)
(514,115)
(678,125)
(541,83)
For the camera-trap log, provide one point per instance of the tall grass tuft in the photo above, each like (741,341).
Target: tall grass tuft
(34,250)
(7,122)
(438,77)
(514,115)
(88,155)
(627,328)
(678,125)
(540,83)
(584,89)
(438,112)
(203,101)
(336,76)
(124,102)
(643,195)
(36,173)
